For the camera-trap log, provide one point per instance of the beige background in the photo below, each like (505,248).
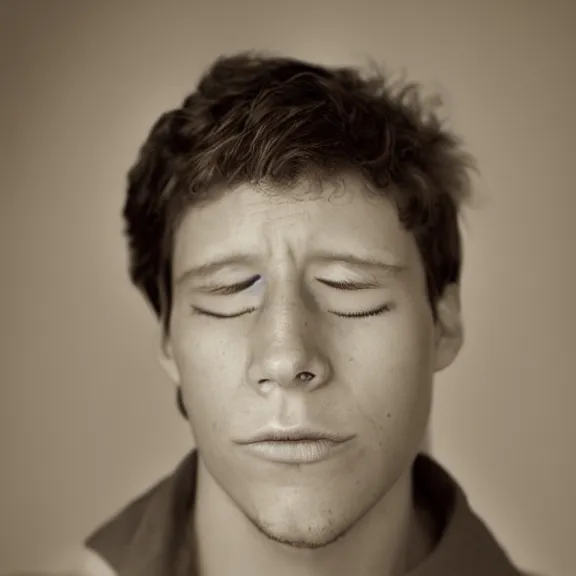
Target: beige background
(87,418)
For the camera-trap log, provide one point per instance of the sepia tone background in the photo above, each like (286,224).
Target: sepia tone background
(87,419)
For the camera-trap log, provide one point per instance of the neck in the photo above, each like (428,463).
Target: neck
(390,540)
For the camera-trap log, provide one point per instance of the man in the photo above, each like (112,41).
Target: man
(295,230)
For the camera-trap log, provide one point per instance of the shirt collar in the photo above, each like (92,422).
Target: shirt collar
(466,545)
(151,536)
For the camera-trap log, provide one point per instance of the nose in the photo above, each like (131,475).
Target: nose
(285,350)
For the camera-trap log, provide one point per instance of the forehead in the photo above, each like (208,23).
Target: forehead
(341,216)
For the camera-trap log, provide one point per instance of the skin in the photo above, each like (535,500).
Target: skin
(350,513)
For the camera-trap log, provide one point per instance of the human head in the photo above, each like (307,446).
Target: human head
(258,118)
(261,128)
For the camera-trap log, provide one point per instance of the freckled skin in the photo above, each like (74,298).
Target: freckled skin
(374,374)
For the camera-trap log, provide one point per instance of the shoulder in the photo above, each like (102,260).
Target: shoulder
(79,562)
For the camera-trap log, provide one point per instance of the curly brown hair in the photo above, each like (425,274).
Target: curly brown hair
(264,119)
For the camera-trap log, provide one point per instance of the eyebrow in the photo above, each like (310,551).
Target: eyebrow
(385,264)
(209,268)
(367,262)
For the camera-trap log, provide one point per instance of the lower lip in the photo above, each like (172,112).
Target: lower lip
(300,452)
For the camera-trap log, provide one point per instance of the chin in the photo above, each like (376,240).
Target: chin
(312,536)
(297,521)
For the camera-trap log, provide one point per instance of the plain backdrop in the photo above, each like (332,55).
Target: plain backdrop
(88,420)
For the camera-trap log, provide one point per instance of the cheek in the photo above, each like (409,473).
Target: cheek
(389,371)
(211,373)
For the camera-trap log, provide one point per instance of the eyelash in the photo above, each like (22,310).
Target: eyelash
(376,312)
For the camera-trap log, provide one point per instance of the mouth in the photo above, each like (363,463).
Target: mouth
(294,445)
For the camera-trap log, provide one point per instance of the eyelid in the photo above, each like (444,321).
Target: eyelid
(349,284)
(344,285)
(376,312)
(232,288)
(203,312)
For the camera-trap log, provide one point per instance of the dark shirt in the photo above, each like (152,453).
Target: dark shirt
(150,537)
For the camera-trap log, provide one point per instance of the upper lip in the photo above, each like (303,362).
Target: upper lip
(294,435)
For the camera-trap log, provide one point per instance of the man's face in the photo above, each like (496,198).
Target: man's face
(372,375)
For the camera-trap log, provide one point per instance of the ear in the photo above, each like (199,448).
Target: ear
(449,329)
(166,358)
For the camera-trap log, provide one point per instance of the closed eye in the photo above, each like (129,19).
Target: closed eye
(203,312)
(345,285)
(376,312)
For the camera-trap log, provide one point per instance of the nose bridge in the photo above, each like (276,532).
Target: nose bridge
(282,327)
(283,342)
